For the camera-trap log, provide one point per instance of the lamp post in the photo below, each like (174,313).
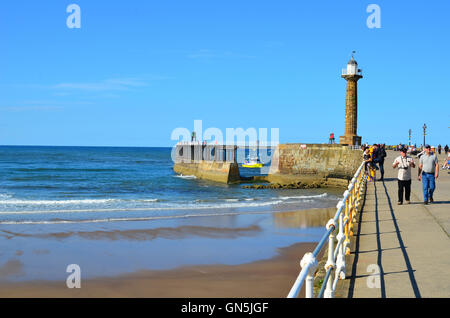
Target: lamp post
(424,133)
(410,137)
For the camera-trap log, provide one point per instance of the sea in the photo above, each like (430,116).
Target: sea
(61,185)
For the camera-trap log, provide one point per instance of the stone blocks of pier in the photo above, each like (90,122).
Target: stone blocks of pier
(314,162)
(223,172)
(210,162)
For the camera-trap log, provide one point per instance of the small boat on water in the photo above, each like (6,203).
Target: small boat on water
(252,163)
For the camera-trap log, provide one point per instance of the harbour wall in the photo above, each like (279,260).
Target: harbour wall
(224,172)
(333,164)
(292,165)
(210,162)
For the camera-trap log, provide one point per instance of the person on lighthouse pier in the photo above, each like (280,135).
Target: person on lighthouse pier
(428,173)
(404,163)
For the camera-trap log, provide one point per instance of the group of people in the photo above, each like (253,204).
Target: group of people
(372,156)
(445,149)
(428,170)
(428,173)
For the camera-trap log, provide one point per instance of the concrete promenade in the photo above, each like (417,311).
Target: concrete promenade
(409,243)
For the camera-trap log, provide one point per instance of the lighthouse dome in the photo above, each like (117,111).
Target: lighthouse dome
(352,61)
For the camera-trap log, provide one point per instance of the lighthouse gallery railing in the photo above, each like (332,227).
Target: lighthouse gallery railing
(345,217)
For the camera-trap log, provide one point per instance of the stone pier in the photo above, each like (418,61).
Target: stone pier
(210,162)
(333,164)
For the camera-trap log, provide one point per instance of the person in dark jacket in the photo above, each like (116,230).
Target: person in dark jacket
(380,158)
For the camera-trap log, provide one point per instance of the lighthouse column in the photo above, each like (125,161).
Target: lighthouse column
(351,75)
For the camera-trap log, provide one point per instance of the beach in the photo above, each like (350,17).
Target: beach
(250,255)
(135,228)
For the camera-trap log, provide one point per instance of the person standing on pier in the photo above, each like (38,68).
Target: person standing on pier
(367,157)
(404,163)
(428,173)
(331,141)
(381,156)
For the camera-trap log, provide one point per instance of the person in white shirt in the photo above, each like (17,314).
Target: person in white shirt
(404,163)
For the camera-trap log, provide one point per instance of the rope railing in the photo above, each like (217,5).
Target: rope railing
(343,221)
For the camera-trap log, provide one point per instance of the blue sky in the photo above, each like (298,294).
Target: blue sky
(136,70)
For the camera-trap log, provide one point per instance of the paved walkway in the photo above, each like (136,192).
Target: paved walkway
(409,243)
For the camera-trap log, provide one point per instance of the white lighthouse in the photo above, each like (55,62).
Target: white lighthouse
(352,74)
(352,67)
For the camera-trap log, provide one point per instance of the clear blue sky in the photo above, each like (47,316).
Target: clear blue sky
(138,69)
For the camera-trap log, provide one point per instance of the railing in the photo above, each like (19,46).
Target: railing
(345,72)
(345,216)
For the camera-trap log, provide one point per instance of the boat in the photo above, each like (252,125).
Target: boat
(252,163)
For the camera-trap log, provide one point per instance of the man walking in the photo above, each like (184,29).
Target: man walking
(428,173)
(404,164)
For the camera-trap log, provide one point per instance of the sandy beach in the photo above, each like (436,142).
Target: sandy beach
(248,255)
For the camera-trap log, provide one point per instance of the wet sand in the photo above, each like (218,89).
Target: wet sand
(269,278)
(247,256)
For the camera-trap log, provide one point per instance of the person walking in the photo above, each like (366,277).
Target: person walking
(404,163)
(428,173)
(439,149)
(381,155)
(446,149)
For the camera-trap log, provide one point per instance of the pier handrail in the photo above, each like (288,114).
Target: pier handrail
(345,217)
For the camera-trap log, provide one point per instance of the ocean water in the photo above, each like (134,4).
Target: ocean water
(65,185)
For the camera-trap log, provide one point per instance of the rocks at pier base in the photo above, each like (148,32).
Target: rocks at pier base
(298,185)
(329,183)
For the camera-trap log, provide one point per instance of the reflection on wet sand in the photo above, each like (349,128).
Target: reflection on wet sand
(12,267)
(303,219)
(262,279)
(150,234)
(248,247)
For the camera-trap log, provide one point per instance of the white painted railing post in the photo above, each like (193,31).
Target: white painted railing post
(340,259)
(329,292)
(310,261)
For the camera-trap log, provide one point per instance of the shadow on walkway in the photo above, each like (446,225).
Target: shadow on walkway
(402,246)
(379,249)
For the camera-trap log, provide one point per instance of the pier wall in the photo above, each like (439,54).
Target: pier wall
(224,172)
(335,164)
(210,162)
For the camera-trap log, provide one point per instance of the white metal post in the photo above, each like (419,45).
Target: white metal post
(340,259)
(310,261)
(329,292)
